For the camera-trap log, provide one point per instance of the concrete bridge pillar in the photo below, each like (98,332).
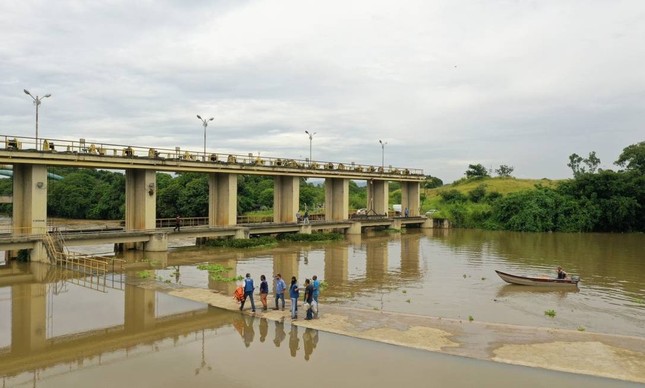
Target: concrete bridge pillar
(29,199)
(140,199)
(30,205)
(286,198)
(336,199)
(222,199)
(28,317)
(378,196)
(410,198)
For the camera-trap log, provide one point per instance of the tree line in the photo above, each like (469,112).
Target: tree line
(595,200)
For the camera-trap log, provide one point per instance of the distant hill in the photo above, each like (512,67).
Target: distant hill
(500,185)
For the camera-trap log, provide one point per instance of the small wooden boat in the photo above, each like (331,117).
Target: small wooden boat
(532,281)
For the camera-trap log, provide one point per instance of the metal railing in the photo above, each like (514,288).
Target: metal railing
(83,146)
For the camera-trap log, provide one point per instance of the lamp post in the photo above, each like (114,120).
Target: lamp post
(37,101)
(311,138)
(383,143)
(205,122)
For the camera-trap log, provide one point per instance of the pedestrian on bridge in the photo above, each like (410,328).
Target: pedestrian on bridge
(177,223)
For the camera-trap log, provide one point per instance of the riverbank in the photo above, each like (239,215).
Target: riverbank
(595,354)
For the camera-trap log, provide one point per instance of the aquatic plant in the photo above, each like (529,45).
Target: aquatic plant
(144,274)
(550,313)
(470,318)
(216,270)
(243,243)
(300,237)
(581,328)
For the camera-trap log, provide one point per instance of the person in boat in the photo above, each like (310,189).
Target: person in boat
(561,273)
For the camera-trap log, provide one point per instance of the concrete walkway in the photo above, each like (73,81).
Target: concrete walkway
(613,356)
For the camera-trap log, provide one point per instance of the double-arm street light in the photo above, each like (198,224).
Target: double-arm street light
(205,122)
(37,101)
(311,138)
(383,143)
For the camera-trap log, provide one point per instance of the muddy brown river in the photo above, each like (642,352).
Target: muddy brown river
(78,332)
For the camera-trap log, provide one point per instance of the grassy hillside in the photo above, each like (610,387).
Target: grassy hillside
(500,185)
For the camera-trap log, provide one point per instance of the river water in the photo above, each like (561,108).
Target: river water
(70,333)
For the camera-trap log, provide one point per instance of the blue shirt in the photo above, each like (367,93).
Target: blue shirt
(316,285)
(280,286)
(293,291)
(248,285)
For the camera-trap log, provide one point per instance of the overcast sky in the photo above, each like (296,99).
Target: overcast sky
(444,83)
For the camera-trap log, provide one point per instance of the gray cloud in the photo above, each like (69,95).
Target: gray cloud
(445,83)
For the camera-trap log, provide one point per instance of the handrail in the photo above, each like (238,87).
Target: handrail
(83,146)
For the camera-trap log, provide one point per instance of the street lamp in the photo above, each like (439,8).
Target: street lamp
(311,137)
(205,122)
(383,143)
(37,101)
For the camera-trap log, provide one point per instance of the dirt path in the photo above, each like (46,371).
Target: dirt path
(613,356)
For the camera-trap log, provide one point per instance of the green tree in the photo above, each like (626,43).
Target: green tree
(476,171)
(504,171)
(432,182)
(477,194)
(633,157)
(574,164)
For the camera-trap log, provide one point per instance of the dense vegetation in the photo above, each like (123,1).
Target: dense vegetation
(594,200)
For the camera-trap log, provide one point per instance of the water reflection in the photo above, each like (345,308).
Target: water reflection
(245,327)
(513,289)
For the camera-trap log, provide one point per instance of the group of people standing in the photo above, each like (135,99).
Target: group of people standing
(311,293)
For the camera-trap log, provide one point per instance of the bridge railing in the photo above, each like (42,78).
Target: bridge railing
(83,146)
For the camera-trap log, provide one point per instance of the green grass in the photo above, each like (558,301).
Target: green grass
(550,313)
(500,185)
(470,318)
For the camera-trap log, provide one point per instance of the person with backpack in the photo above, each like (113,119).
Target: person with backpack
(248,292)
(294,293)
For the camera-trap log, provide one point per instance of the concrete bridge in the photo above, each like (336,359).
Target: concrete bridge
(30,161)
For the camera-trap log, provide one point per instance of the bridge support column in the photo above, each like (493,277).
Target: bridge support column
(355,228)
(28,317)
(428,224)
(158,243)
(410,198)
(30,204)
(140,199)
(378,196)
(286,198)
(222,199)
(336,199)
